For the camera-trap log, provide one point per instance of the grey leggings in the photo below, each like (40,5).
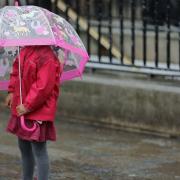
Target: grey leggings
(32,152)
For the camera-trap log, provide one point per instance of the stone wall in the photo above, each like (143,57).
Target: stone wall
(137,105)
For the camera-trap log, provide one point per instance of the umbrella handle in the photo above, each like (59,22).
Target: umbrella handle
(24,126)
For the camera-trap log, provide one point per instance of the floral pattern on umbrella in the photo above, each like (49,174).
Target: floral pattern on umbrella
(31,25)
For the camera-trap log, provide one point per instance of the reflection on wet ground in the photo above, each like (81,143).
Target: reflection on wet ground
(84,152)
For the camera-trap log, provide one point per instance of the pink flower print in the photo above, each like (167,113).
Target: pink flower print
(11,13)
(40,30)
(55,30)
(74,39)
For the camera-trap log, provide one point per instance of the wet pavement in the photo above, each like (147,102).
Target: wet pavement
(84,152)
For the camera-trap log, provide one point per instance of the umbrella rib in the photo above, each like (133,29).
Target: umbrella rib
(47,24)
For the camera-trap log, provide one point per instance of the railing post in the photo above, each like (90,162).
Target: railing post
(121,18)
(99,8)
(144,14)
(54,6)
(133,7)
(156,21)
(88,27)
(66,13)
(168,34)
(78,13)
(110,30)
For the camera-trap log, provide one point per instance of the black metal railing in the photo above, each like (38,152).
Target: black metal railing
(132,35)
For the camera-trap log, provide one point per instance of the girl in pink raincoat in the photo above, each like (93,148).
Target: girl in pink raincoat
(41,70)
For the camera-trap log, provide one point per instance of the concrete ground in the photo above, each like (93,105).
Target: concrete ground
(84,152)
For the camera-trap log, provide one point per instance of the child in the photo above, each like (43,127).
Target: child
(40,71)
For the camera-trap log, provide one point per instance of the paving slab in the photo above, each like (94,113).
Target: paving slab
(85,152)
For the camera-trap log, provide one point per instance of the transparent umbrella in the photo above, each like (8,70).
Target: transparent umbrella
(32,25)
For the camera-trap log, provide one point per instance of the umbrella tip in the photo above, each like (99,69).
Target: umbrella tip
(16,3)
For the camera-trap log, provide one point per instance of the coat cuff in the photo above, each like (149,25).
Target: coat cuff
(10,90)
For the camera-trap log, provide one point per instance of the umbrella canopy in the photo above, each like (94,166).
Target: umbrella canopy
(32,25)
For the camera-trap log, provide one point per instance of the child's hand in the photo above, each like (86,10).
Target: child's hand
(21,110)
(8,100)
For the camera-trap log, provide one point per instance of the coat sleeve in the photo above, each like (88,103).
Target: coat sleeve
(42,87)
(13,76)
